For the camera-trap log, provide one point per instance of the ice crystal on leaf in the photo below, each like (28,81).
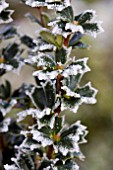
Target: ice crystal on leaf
(5,15)
(51,4)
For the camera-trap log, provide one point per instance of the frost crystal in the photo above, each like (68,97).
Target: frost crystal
(53,4)
(10,167)
(3,5)
(8,107)
(4,125)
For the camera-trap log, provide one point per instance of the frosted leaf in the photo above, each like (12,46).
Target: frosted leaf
(90,99)
(56,30)
(6,109)
(18,69)
(94,33)
(72,70)
(35,113)
(46,75)
(50,123)
(7,67)
(10,167)
(50,4)
(69,92)
(63,150)
(3,5)
(46,47)
(39,137)
(26,145)
(68,106)
(5,123)
(74,28)
(80,135)
(9,19)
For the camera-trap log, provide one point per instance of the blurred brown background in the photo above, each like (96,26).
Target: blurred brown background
(99,117)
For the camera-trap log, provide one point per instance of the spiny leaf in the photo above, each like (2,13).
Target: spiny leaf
(67,14)
(85,16)
(61,55)
(44,96)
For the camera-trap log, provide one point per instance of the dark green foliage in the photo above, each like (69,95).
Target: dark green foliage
(28,41)
(44,96)
(67,14)
(43,138)
(7,32)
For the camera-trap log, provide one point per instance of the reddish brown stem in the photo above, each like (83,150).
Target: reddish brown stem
(40,9)
(66,41)
(50,152)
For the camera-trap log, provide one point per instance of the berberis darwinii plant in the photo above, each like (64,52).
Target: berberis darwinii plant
(47,143)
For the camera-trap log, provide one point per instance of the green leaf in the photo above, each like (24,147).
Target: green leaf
(71,130)
(58,124)
(48,62)
(85,16)
(51,38)
(80,45)
(46,19)
(67,14)
(68,165)
(44,164)
(8,32)
(26,161)
(61,55)
(5,90)
(28,41)
(5,16)
(75,38)
(48,36)
(72,81)
(86,91)
(44,96)
(10,51)
(59,40)
(91,27)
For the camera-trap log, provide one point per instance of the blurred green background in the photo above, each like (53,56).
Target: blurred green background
(99,117)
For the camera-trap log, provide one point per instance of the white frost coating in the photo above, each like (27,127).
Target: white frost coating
(5,124)
(56,30)
(90,11)
(66,106)
(84,60)
(74,28)
(63,150)
(72,70)
(45,76)
(38,136)
(3,5)
(75,167)
(46,47)
(89,100)
(69,92)
(35,113)
(81,130)
(10,167)
(95,33)
(7,109)
(52,121)
(17,70)
(64,4)
(6,66)
(9,19)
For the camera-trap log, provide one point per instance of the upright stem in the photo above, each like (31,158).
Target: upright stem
(40,13)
